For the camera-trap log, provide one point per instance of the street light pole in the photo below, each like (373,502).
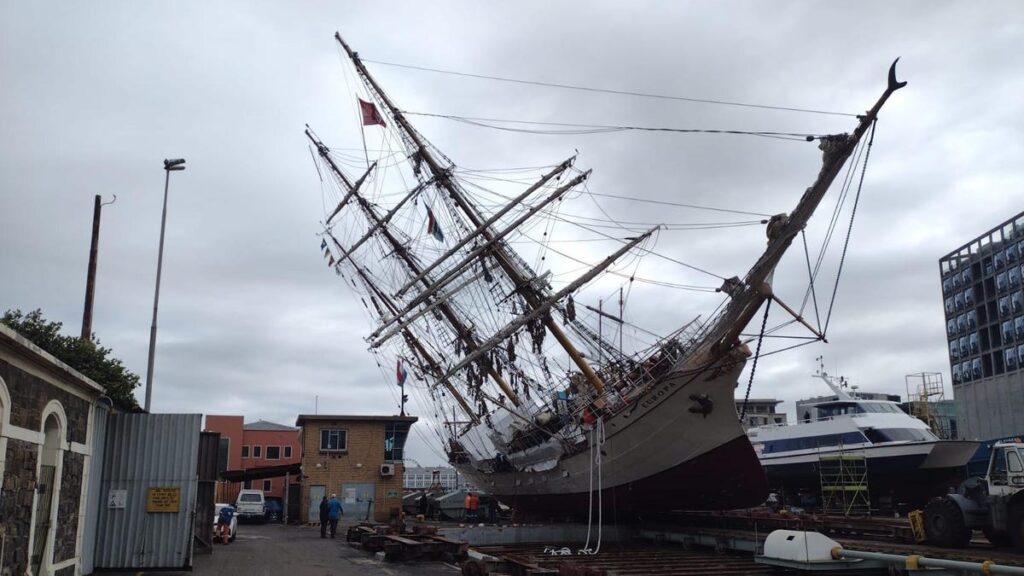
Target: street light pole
(169,166)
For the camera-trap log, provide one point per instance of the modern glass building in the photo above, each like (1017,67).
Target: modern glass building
(983,297)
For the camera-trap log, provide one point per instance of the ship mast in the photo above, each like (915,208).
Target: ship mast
(446,309)
(414,343)
(749,295)
(443,179)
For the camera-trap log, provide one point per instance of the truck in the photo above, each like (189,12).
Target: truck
(251,505)
(993,503)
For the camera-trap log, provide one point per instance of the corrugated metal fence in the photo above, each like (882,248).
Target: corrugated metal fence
(145,451)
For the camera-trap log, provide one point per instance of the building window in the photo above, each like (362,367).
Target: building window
(961,323)
(257,451)
(972,319)
(395,434)
(976,369)
(966,275)
(1007,331)
(267,484)
(998,260)
(1001,282)
(333,440)
(959,301)
(1010,358)
(947,285)
(245,451)
(956,374)
(247,485)
(287,452)
(273,452)
(1014,277)
(222,454)
(969,297)
(1004,306)
(949,306)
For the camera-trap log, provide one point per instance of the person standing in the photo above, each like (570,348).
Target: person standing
(324,516)
(334,512)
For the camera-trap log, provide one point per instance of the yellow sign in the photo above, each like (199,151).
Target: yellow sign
(163,500)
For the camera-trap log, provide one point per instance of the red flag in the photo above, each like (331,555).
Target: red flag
(370,114)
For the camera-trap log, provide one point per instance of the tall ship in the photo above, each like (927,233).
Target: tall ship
(905,461)
(535,399)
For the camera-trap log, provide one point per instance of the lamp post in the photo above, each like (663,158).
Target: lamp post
(169,166)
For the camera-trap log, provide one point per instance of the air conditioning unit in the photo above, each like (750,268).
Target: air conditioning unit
(387,469)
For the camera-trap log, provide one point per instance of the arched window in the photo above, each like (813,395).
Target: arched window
(48,477)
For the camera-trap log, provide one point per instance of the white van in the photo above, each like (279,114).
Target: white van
(250,505)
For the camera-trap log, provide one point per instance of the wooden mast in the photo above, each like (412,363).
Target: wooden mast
(449,313)
(748,296)
(410,338)
(441,175)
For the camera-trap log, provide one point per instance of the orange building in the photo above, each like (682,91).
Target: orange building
(254,445)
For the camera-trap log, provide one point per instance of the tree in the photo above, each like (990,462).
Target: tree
(88,357)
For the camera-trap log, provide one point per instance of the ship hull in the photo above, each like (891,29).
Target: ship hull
(663,454)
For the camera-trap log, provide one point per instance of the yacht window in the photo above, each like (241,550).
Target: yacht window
(900,435)
(1013,463)
(998,473)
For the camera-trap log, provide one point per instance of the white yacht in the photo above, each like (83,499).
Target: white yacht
(906,462)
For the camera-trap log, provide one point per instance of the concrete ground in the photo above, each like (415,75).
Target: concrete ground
(273,549)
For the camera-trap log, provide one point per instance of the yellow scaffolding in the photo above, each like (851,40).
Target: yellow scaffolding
(844,484)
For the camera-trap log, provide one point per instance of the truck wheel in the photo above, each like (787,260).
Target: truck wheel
(1015,534)
(944,523)
(998,538)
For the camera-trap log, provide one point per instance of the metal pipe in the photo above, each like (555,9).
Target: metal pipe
(915,561)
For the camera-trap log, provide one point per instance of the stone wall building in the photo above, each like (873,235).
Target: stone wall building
(359,458)
(46,428)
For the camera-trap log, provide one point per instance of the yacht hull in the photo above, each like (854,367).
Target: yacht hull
(911,472)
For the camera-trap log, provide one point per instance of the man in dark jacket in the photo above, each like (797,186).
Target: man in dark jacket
(324,516)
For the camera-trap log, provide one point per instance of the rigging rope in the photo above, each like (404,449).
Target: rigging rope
(611,91)
(585,129)
(849,229)
(757,354)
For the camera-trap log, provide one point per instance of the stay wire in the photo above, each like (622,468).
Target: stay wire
(585,129)
(611,91)
(849,229)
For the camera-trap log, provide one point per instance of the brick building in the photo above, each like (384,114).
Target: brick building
(359,458)
(46,430)
(254,445)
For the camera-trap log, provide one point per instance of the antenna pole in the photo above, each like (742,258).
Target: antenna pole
(90,279)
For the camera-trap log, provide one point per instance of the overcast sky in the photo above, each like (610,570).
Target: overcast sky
(94,95)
